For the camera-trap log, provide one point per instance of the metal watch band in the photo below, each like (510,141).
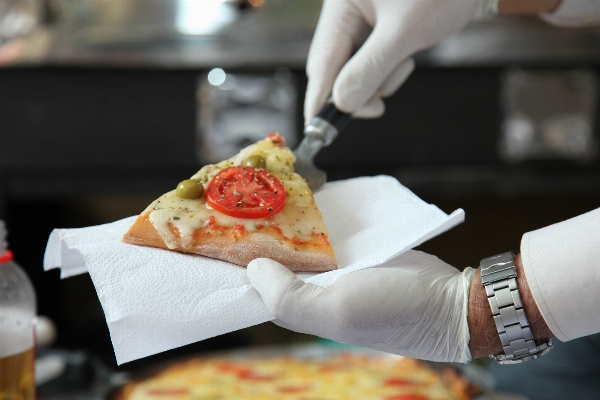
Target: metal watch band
(498,277)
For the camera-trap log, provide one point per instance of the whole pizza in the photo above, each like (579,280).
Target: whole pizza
(344,376)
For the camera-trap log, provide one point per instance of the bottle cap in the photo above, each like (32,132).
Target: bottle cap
(5,254)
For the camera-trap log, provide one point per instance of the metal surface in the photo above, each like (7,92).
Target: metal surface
(320,132)
(322,129)
(498,276)
(549,115)
(506,41)
(174,33)
(237,109)
(155,33)
(305,155)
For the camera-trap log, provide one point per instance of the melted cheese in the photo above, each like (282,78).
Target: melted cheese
(335,377)
(299,218)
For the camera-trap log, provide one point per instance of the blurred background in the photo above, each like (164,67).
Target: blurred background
(106,104)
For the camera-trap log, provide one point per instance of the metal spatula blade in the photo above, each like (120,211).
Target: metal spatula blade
(320,132)
(305,154)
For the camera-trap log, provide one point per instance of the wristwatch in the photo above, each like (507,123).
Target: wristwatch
(498,277)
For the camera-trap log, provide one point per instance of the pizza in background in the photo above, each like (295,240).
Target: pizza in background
(345,376)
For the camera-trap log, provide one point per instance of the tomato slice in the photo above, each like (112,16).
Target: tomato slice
(167,392)
(246,192)
(276,138)
(254,376)
(293,389)
(397,382)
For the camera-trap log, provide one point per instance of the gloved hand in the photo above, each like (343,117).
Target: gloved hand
(386,33)
(414,305)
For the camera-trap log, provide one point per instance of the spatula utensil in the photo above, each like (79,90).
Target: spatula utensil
(320,132)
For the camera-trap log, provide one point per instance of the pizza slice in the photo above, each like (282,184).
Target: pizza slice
(249,206)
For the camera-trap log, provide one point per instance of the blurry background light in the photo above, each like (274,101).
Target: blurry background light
(283,75)
(216,76)
(202,17)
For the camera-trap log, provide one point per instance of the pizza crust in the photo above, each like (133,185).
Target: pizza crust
(238,251)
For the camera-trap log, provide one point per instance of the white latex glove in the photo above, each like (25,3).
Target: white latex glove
(414,305)
(384,34)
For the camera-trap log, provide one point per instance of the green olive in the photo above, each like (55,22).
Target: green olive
(190,189)
(256,161)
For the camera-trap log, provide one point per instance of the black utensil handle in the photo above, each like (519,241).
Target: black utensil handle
(335,117)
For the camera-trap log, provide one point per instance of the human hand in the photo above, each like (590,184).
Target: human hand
(385,34)
(414,305)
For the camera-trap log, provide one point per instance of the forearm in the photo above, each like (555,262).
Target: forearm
(484,336)
(527,7)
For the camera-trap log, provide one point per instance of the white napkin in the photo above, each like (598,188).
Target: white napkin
(155,300)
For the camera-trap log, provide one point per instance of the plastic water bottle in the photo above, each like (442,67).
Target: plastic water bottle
(17,323)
